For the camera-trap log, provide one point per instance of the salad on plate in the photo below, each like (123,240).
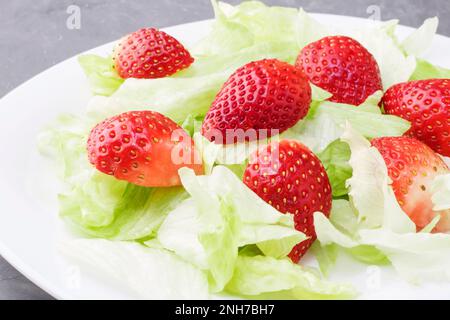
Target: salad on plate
(221,168)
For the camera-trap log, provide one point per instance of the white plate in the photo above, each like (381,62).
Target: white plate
(30,228)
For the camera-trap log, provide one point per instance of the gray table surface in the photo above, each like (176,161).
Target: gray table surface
(34,36)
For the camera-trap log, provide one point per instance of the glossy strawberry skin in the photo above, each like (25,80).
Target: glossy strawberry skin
(138,147)
(266,94)
(288,176)
(426,104)
(343,67)
(150,53)
(412,166)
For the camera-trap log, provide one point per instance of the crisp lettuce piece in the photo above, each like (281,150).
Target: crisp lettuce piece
(421,39)
(150,273)
(226,36)
(426,70)
(227,64)
(255,20)
(135,214)
(328,119)
(176,98)
(221,216)
(270,278)
(97,204)
(380,230)
(335,160)
(325,255)
(369,186)
(103,78)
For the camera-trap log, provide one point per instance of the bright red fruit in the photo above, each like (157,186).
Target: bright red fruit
(412,166)
(426,104)
(265,94)
(343,67)
(142,147)
(291,178)
(150,53)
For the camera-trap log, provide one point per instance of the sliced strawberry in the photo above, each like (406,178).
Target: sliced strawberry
(426,104)
(343,67)
(262,95)
(291,178)
(412,166)
(150,53)
(142,147)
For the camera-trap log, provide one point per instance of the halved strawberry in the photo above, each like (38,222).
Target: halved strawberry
(412,166)
(343,67)
(291,178)
(262,95)
(142,147)
(426,104)
(150,53)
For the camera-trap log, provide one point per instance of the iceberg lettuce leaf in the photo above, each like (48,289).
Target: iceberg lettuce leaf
(270,278)
(150,273)
(222,216)
(97,204)
(103,78)
(426,70)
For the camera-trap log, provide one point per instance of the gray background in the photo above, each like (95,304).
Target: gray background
(34,36)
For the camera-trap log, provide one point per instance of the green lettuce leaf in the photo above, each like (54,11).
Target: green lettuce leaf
(325,255)
(97,204)
(247,24)
(269,278)
(221,216)
(103,78)
(426,70)
(370,190)
(150,273)
(328,120)
(335,160)
(176,98)
(421,39)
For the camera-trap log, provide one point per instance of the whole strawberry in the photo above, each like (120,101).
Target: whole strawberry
(142,147)
(343,67)
(262,95)
(412,166)
(150,53)
(426,104)
(288,176)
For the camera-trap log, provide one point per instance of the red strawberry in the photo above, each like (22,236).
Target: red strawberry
(288,176)
(343,67)
(150,53)
(412,166)
(426,104)
(142,147)
(265,94)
